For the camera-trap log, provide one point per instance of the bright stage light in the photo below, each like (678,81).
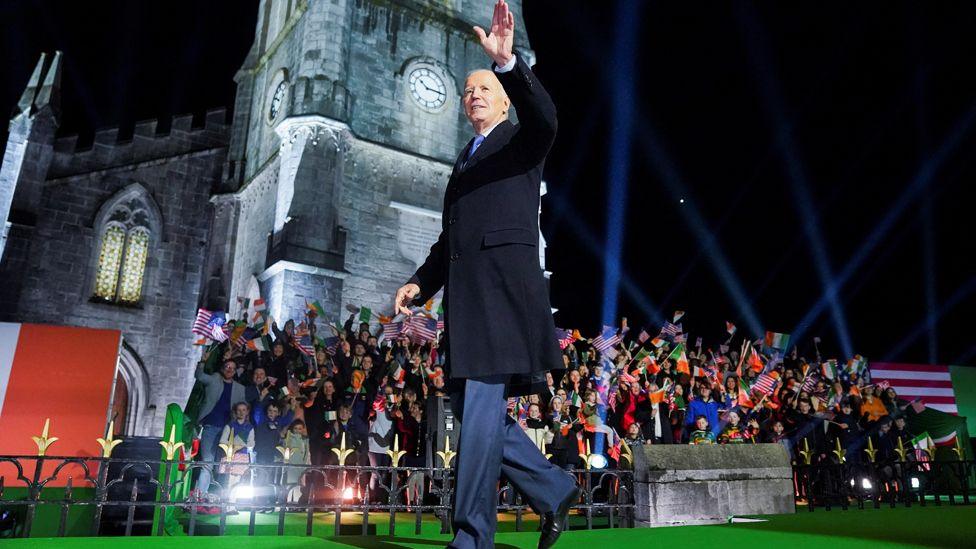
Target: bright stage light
(681,201)
(347,493)
(242,492)
(866,484)
(598,461)
(916,483)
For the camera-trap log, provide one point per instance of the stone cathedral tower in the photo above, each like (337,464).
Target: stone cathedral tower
(325,186)
(347,123)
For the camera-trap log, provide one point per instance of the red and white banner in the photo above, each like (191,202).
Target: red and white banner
(64,373)
(931,384)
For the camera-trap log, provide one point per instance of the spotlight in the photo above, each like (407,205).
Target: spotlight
(681,201)
(916,484)
(347,493)
(242,492)
(598,461)
(866,484)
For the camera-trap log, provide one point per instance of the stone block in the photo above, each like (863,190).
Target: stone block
(681,484)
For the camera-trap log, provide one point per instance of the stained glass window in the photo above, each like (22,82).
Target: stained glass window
(136,249)
(109,259)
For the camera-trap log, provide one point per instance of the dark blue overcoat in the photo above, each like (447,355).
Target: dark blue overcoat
(496,302)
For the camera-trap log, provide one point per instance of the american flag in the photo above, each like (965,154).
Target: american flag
(606,340)
(201,325)
(330,344)
(210,324)
(809,383)
(564,337)
(670,330)
(643,336)
(219,331)
(391,330)
(711,373)
(930,383)
(440,325)
(305,345)
(765,383)
(303,340)
(420,328)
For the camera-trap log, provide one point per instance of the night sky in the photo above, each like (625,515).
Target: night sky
(809,141)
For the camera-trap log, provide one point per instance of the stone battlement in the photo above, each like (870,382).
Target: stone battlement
(107,150)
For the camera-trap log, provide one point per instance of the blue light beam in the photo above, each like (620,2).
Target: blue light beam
(654,151)
(803,200)
(957,296)
(918,184)
(621,122)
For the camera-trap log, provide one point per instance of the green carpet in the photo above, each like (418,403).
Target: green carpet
(930,526)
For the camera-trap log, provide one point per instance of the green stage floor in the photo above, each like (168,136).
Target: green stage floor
(930,526)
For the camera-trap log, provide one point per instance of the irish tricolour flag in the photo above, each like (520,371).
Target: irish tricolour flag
(777,340)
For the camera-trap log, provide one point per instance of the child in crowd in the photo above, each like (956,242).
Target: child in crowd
(702,433)
(296,442)
(238,439)
(735,433)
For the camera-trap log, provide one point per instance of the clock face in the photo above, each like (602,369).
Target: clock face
(427,88)
(276,99)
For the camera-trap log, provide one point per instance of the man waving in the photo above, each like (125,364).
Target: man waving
(500,334)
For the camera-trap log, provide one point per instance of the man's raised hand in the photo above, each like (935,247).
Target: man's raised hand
(500,38)
(404,296)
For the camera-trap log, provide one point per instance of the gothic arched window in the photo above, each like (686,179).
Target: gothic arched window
(109,259)
(125,226)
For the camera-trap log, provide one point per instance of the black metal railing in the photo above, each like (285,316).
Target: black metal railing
(133,496)
(830,484)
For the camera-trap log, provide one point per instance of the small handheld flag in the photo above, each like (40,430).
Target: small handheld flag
(777,340)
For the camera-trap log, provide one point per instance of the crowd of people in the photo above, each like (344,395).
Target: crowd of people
(366,391)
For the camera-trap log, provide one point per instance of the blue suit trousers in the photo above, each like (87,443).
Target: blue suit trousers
(491,443)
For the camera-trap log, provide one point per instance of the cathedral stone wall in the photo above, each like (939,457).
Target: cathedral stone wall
(375,176)
(175,173)
(349,62)
(358,193)
(256,217)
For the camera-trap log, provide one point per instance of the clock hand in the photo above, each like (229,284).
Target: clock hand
(438,92)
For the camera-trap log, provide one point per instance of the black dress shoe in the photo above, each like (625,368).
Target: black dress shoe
(554,522)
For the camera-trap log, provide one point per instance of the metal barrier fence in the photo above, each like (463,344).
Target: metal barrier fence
(908,482)
(131,496)
(125,488)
